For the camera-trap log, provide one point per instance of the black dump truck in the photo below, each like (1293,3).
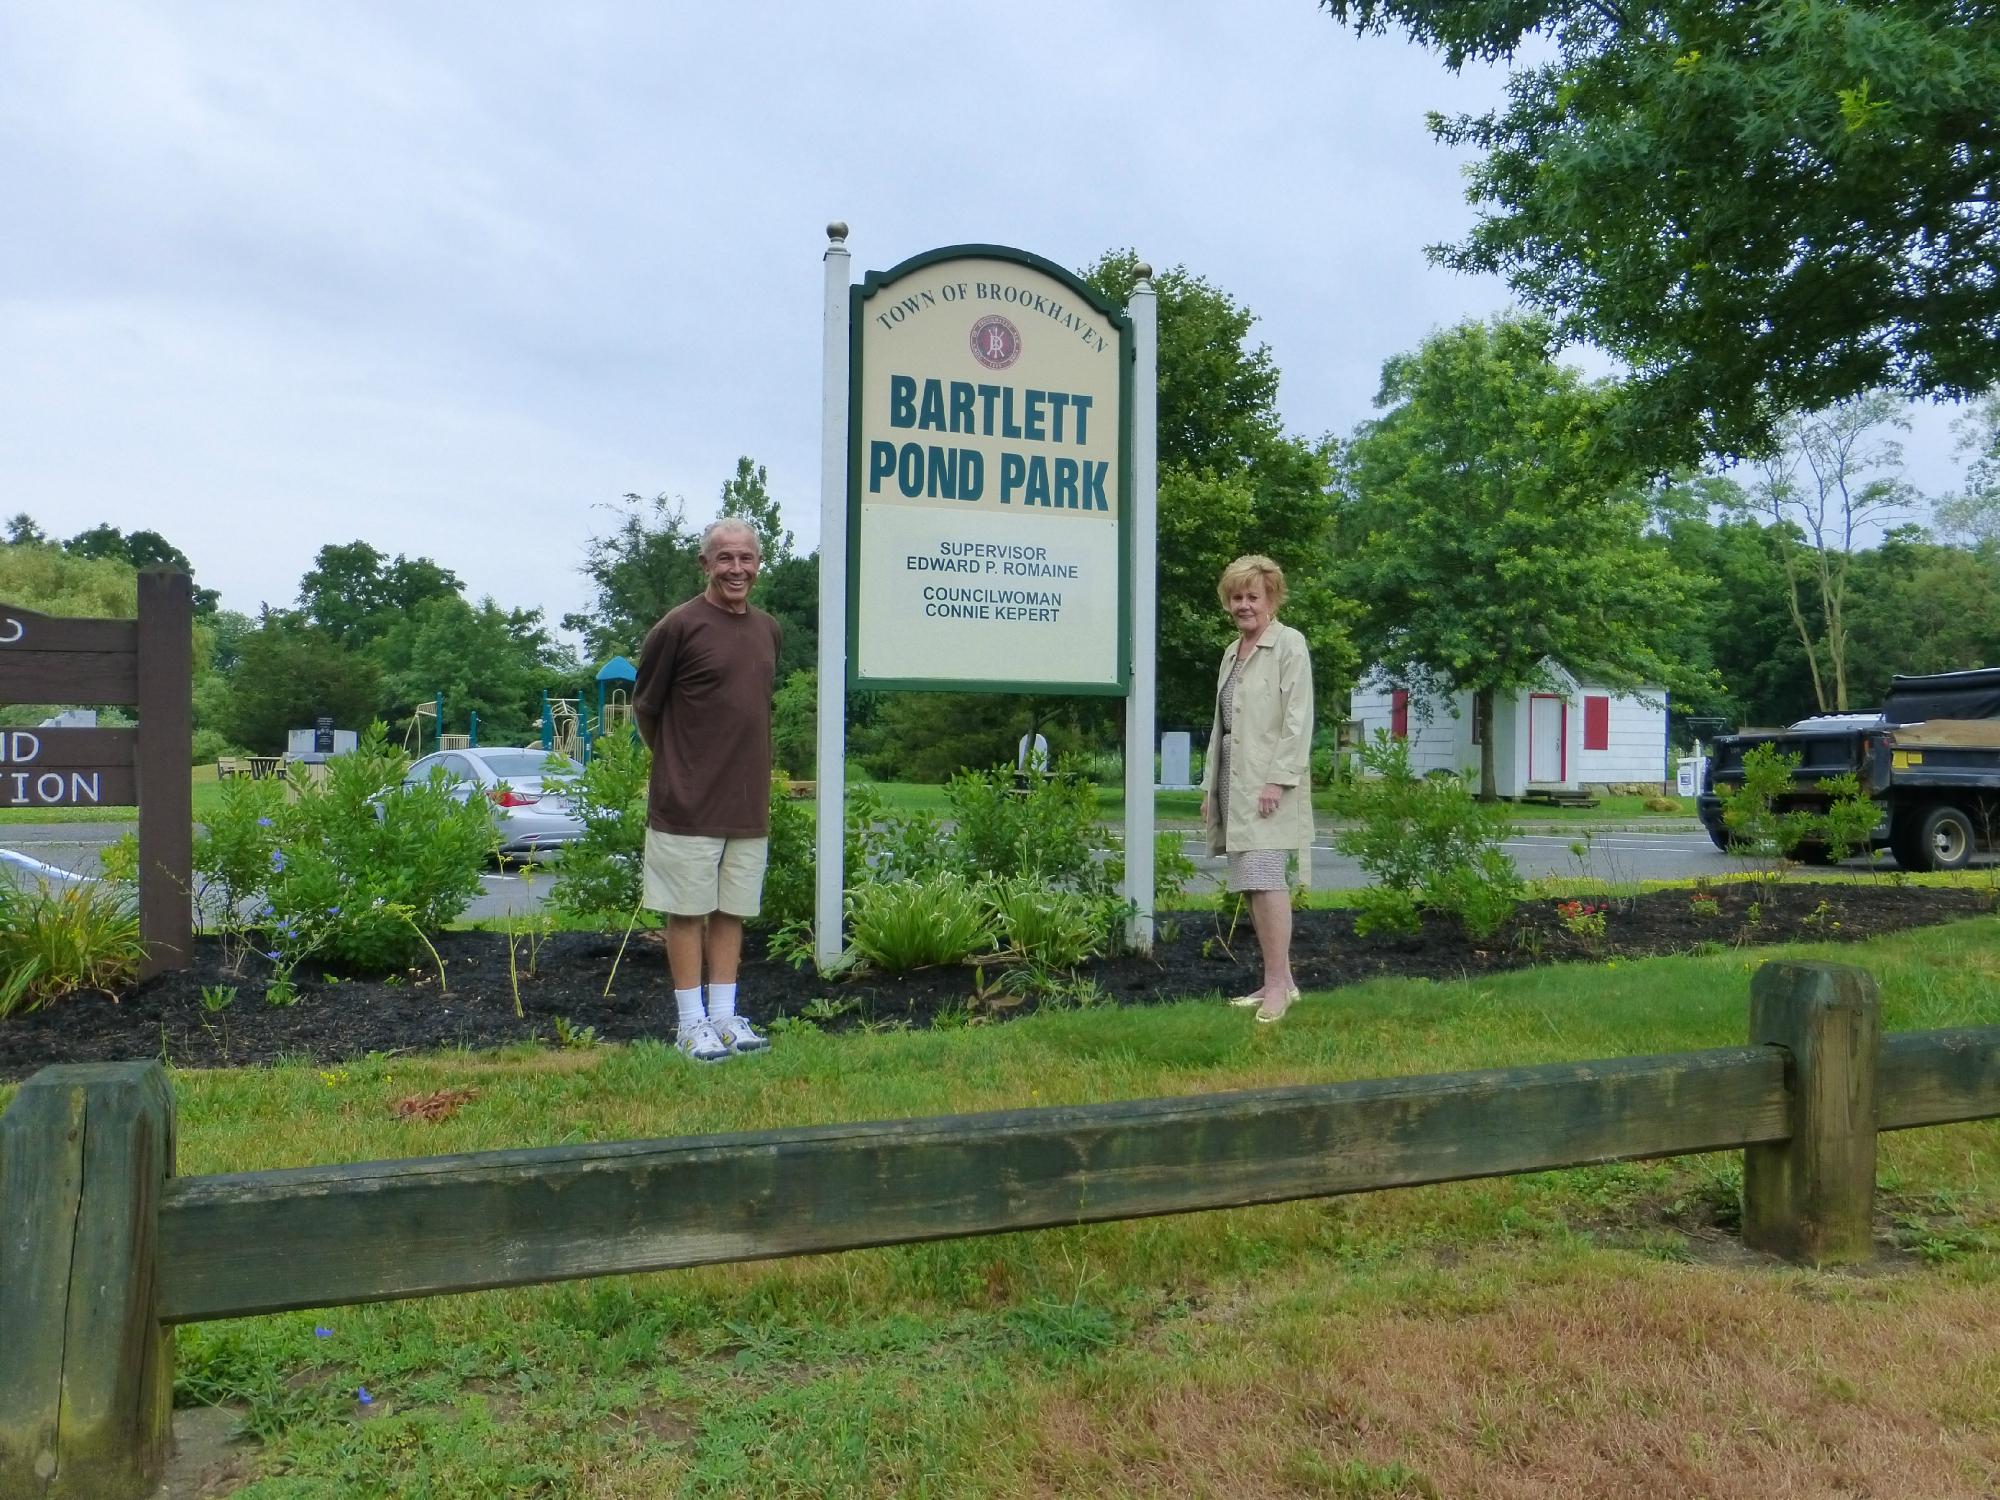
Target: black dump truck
(1930,760)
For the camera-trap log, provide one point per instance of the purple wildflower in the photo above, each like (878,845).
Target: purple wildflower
(322,1333)
(263,822)
(361,1395)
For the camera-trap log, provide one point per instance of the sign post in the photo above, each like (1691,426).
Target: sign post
(981,507)
(147,663)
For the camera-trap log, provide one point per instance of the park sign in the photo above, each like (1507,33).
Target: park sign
(145,663)
(989,477)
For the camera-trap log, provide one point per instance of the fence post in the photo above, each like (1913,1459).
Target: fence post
(1812,1198)
(86,1384)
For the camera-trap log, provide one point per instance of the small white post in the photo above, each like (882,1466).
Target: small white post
(1143,309)
(831,842)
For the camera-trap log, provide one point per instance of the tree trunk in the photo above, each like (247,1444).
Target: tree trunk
(1482,715)
(1805,635)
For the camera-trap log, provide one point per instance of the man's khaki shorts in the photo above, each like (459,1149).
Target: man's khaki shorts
(691,876)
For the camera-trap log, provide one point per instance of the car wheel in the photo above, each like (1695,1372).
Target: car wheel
(1720,838)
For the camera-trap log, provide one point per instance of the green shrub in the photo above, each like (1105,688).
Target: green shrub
(55,940)
(598,878)
(1749,811)
(1850,818)
(1046,826)
(899,925)
(353,870)
(1426,842)
(789,892)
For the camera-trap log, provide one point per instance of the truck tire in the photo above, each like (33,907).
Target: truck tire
(1720,838)
(1932,838)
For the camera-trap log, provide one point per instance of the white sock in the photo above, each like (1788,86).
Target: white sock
(689,1002)
(721,1001)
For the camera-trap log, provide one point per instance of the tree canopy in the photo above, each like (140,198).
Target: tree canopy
(1486,525)
(1231,481)
(1763,206)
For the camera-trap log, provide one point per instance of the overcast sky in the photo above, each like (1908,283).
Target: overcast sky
(448,277)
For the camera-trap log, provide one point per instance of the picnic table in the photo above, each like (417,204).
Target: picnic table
(262,766)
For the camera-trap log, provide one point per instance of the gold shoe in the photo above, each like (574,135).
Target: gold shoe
(1246,1001)
(1268,1012)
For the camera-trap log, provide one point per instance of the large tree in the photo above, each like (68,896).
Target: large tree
(1919,607)
(1834,481)
(1231,481)
(139,548)
(1763,206)
(288,674)
(1487,525)
(356,592)
(486,660)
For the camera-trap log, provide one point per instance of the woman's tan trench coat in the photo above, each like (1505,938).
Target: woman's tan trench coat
(1272,742)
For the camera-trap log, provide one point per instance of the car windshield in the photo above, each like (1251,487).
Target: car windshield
(518,765)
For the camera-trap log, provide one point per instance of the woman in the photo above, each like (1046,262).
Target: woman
(1256,789)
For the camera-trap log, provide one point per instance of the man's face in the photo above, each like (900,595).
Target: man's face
(731,567)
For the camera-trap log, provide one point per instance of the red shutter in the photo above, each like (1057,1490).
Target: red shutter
(1399,713)
(1596,723)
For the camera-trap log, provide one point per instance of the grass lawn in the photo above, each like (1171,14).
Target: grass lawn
(1590,1332)
(207,793)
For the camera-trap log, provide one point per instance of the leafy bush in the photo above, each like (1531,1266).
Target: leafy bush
(55,940)
(1048,828)
(899,925)
(598,878)
(1426,842)
(789,893)
(1052,928)
(355,869)
(1850,818)
(1749,811)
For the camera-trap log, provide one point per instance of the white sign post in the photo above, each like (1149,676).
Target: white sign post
(830,841)
(986,507)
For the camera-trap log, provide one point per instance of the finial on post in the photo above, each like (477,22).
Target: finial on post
(1143,271)
(836,232)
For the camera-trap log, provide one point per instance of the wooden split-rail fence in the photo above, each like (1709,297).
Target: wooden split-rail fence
(103,1249)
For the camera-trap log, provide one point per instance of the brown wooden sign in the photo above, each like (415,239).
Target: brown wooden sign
(69,768)
(145,663)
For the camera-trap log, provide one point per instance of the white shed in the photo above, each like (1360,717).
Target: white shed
(1572,736)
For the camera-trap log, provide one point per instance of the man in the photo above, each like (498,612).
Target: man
(703,705)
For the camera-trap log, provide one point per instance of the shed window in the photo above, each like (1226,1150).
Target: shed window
(1596,722)
(1399,713)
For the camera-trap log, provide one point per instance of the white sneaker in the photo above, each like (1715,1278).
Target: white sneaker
(735,1033)
(700,1042)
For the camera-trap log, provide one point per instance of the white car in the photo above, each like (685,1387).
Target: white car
(530,792)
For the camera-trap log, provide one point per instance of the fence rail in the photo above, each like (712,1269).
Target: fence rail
(101,1248)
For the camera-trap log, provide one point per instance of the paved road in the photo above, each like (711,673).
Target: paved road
(1610,855)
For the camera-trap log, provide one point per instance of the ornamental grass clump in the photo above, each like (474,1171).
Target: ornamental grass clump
(897,925)
(1049,928)
(56,940)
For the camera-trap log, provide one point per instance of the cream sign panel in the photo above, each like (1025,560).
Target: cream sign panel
(988,473)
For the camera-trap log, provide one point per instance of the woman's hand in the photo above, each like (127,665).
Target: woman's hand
(1204,807)
(1267,799)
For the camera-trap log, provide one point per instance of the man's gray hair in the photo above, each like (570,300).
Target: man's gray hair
(729,523)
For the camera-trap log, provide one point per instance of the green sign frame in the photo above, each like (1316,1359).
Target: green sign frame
(860,294)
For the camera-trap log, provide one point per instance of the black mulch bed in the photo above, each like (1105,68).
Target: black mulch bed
(342,1017)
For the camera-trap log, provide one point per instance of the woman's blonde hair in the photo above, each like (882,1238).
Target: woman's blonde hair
(1252,566)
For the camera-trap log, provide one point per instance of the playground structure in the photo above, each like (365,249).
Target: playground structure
(432,714)
(568,727)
